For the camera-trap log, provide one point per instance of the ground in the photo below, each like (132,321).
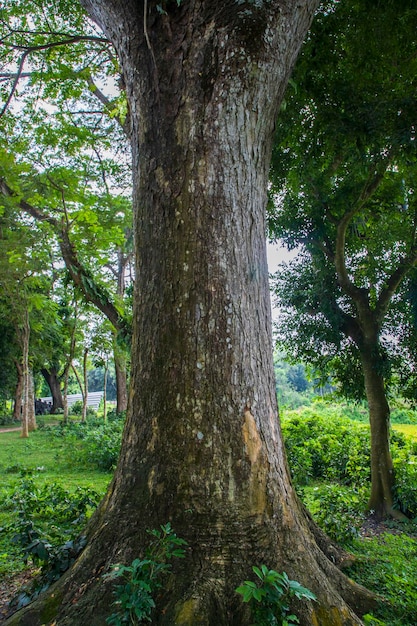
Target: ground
(10,587)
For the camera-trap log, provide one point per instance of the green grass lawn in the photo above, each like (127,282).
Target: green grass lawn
(386,563)
(408,429)
(47,458)
(37,453)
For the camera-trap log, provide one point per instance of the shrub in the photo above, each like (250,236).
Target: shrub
(76,408)
(269,597)
(339,511)
(46,524)
(134,596)
(405,467)
(92,444)
(326,448)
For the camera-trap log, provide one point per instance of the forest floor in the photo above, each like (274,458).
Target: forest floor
(10,586)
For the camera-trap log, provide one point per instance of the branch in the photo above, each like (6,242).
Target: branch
(81,277)
(15,82)
(359,295)
(108,105)
(29,49)
(394,281)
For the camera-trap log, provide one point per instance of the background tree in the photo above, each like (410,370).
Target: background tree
(344,171)
(202,445)
(23,280)
(66,160)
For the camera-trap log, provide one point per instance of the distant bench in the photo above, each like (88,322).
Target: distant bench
(93,399)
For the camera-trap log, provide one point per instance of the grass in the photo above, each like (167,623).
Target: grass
(46,457)
(385,563)
(407,429)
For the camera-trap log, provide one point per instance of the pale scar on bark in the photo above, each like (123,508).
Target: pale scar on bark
(259,470)
(251,436)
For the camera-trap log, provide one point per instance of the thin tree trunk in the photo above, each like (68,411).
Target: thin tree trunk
(18,396)
(52,379)
(24,335)
(31,403)
(106,371)
(382,471)
(69,362)
(120,367)
(85,391)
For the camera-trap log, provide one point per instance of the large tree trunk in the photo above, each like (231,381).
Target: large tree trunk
(202,446)
(52,379)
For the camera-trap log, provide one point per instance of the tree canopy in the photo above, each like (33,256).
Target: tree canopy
(343,185)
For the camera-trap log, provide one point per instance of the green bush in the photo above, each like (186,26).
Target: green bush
(76,408)
(139,581)
(7,420)
(92,444)
(45,524)
(339,511)
(270,596)
(330,448)
(405,467)
(403,415)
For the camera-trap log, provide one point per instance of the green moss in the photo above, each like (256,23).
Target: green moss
(50,606)
(186,613)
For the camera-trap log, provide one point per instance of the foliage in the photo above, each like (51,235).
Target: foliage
(405,467)
(46,524)
(342,191)
(134,596)
(42,454)
(94,443)
(326,447)
(338,510)
(77,409)
(270,596)
(64,174)
(323,446)
(387,565)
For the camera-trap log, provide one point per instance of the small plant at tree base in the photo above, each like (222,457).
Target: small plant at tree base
(142,578)
(269,597)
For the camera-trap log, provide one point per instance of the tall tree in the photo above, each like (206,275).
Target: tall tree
(344,171)
(66,122)
(202,446)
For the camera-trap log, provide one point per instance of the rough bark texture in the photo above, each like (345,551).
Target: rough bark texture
(120,368)
(202,446)
(382,470)
(31,402)
(18,394)
(52,379)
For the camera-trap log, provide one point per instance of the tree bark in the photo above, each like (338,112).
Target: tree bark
(31,402)
(120,368)
(85,390)
(18,395)
(202,445)
(382,471)
(52,379)
(23,334)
